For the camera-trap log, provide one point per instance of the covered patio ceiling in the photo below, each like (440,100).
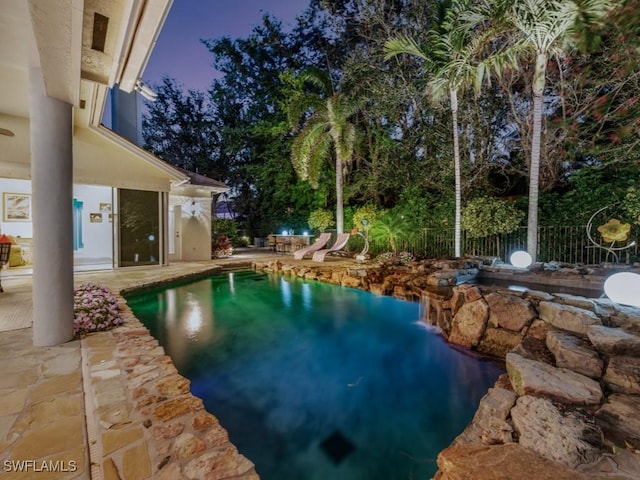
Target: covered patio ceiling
(83,48)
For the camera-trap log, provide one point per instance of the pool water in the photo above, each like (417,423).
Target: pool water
(314,381)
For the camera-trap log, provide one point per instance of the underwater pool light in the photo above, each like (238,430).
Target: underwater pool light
(624,288)
(520,259)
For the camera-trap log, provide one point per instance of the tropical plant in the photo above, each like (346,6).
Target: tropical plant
(326,119)
(320,219)
(450,58)
(95,309)
(544,29)
(389,229)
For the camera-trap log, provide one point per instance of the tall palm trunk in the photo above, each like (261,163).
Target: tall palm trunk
(534,167)
(456,167)
(339,200)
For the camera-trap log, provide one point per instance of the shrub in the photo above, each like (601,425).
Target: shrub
(95,309)
(369,212)
(320,219)
(221,247)
(396,257)
(484,216)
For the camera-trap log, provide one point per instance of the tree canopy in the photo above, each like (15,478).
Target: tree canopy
(238,131)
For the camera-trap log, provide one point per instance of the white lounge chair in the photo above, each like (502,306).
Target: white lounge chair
(339,244)
(322,240)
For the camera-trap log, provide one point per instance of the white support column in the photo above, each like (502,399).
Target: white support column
(51,127)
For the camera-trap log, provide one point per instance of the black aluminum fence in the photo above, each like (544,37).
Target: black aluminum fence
(561,244)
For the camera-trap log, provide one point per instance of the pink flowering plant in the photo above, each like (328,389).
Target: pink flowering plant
(95,309)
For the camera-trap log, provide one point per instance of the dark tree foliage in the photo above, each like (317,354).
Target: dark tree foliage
(179,128)
(237,131)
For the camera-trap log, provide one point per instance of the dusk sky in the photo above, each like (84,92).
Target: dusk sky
(179,52)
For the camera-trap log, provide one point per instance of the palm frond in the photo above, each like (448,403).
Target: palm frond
(404,44)
(304,145)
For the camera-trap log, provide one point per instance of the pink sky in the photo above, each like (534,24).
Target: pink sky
(179,52)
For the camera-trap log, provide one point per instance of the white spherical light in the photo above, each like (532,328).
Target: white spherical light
(520,259)
(624,288)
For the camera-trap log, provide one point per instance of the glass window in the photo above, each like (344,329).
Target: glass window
(139,228)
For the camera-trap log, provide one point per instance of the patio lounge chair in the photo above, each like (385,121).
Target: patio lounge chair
(317,245)
(339,244)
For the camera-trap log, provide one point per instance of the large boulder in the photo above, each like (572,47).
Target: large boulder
(567,317)
(498,342)
(530,377)
(570,436)
(619,416)
(575,353)
(509,311)
(500,462)
(623,374)
(614,341)
(469,323)
(489,425)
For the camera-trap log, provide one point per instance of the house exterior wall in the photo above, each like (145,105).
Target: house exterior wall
(195,225)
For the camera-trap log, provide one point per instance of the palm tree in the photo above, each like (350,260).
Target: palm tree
(545,29)
(327,124)
(450,58)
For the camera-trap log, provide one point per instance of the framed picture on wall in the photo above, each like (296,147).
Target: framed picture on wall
(105,207)
(95,217)
(16,207)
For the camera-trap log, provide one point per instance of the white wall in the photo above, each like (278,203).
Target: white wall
(97,236)
(196,229)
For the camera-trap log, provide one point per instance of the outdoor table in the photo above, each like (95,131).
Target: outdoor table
(291,243)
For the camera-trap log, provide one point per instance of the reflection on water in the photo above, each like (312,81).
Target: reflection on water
(318,382)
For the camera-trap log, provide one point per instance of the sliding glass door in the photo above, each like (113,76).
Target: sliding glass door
(139,224)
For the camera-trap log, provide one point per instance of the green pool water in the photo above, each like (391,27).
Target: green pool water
(318,382)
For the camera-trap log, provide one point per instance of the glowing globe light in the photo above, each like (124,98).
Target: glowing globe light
(520,259)
(285,232)
(305,233)
(624,288)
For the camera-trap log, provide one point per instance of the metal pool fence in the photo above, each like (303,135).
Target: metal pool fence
(562,244)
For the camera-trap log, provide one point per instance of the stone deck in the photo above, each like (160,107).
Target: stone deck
(110,405)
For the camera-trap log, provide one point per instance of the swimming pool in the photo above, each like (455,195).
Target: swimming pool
(314,381)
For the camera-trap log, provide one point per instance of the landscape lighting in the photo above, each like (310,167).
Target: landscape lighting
(520,259)
(623,288)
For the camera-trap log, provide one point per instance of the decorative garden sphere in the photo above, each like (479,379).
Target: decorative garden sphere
(520,259)
(624,288)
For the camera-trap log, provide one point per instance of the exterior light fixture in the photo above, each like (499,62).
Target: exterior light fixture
(285,232)
(623,288)
(194,208)
(520,259)
(146,91)
(305,233)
